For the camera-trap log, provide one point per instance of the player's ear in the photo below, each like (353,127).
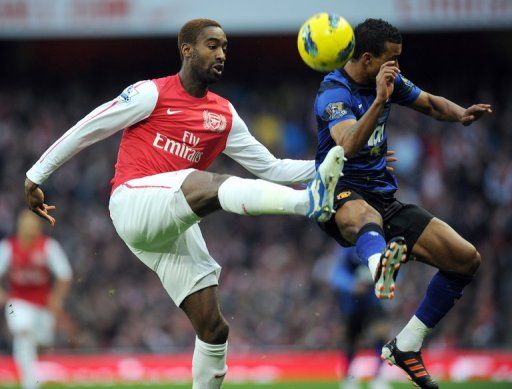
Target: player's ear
(186,50)
(367,58)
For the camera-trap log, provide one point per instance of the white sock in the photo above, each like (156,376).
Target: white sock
(25,356)
(209,365)
(259,197)
(411,337)
(373,262)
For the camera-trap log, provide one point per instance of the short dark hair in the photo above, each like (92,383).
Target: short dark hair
(191,29)
(371,36)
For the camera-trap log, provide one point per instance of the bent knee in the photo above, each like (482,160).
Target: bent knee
(218,179)
(354,215)
(202,181)
(469,262)
(214,333)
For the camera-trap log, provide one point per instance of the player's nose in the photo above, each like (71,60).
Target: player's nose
(220,55)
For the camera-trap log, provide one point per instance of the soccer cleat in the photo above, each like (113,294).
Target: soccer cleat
(393,256)
(410,362)
(321,188)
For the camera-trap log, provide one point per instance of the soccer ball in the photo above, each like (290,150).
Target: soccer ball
(326,42)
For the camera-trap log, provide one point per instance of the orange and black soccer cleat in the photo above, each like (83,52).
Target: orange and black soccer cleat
(410,362)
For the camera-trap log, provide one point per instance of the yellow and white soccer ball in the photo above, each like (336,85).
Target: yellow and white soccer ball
(326,42)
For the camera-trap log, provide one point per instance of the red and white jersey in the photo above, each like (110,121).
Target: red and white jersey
(30,269)
(166,129)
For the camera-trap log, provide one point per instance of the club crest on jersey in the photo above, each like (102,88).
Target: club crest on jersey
(214,121)
(408,85)
(343,195)
(334,111)
(128,93)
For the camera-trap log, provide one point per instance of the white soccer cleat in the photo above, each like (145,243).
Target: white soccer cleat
(321,188)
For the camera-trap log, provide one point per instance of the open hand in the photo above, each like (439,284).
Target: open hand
(35,201)
(474,113)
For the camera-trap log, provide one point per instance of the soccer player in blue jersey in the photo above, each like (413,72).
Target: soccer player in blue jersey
(352,108)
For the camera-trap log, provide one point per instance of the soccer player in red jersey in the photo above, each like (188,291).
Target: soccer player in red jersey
(174,128)
(31,260)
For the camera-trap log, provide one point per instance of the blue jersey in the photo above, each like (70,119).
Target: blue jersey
(340,98)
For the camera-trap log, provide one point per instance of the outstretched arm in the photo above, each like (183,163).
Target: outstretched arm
(133,105)
(256,158)
(443,109)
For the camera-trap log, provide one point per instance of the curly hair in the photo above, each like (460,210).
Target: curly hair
(371,36)
(191,29)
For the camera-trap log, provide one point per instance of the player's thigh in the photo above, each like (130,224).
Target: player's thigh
(185,265)
(409,222)
(441,246)
(201,191)
(149,213)
(352,213)
(21,316)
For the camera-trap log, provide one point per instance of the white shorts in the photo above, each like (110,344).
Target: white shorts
(155,221)
(23,316)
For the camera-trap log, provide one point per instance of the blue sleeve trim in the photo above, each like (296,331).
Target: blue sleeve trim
(332,123)
(405,92)
(412,97)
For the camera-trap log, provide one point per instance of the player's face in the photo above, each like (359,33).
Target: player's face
(29,226)
(209,54)
(391,53)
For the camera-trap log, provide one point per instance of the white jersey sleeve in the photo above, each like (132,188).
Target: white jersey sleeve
(58,262)
(136,103)
(5,256)
(256,158)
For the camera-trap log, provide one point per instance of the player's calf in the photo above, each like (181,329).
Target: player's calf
(260,197)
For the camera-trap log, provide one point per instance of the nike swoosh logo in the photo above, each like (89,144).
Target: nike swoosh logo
(169,112)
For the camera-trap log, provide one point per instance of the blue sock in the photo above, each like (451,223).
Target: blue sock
(370,240)
(442,292)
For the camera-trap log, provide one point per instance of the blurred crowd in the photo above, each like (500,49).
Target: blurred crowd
(270,296)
